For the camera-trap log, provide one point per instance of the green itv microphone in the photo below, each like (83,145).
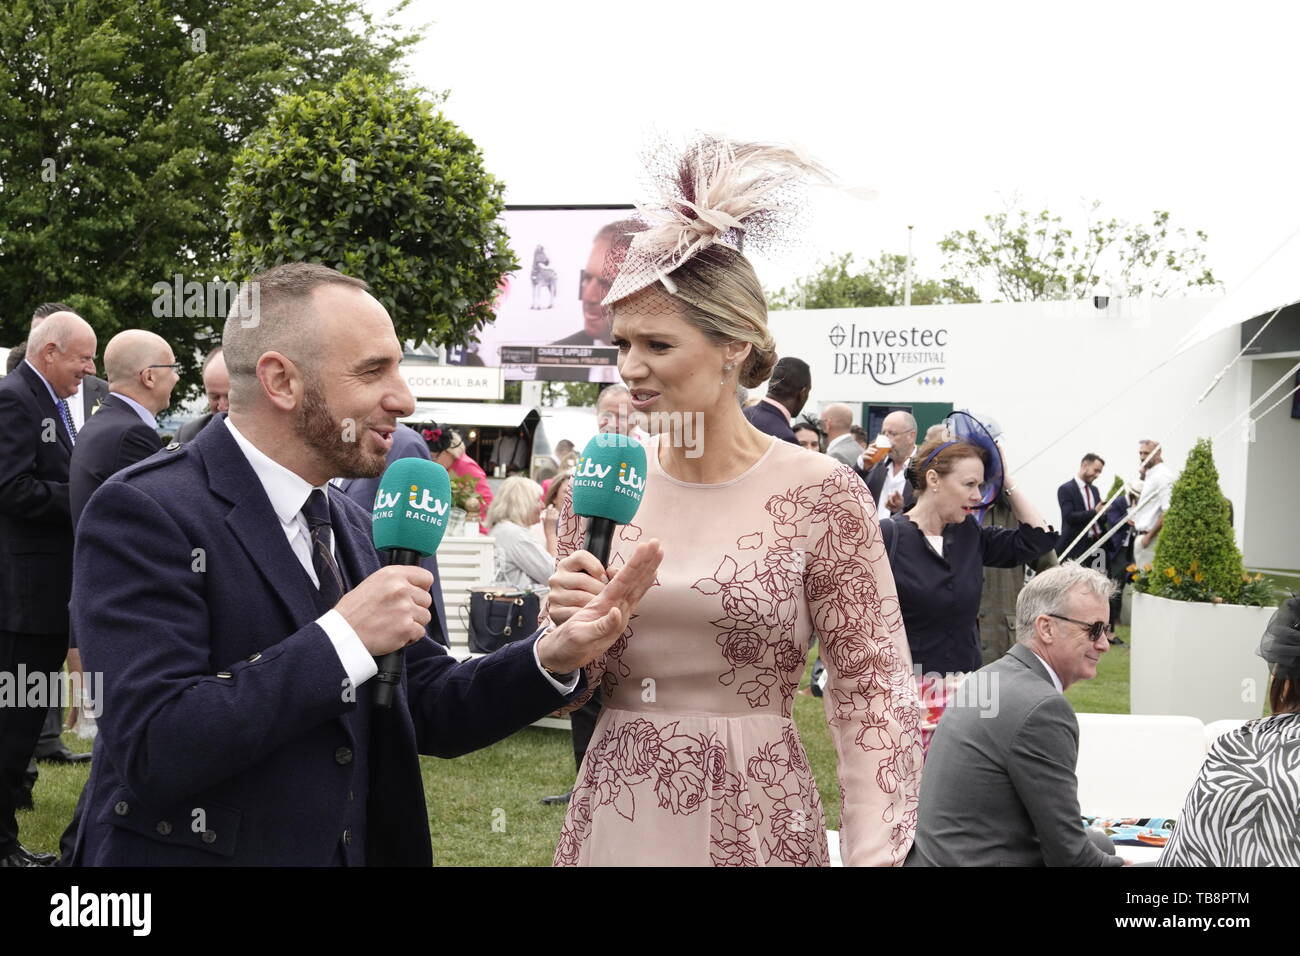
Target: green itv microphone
(408,520)
(608,483)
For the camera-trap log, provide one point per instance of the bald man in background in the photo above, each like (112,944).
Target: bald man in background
(142,371)
(37,435)
(216,384)
(837,420)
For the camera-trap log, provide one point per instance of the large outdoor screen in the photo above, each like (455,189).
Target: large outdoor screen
(547,302)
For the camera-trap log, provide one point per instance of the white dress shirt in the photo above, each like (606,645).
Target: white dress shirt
(893,483)
(77,406)
(1154,500)
(288,493)
(1052,674)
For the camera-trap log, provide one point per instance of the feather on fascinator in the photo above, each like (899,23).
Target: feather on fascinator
(717,191)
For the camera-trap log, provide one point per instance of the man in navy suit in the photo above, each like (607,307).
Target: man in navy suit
(238,607)
(407,443)
(787,393)
(1079,501)
(90,394)
(36,439)
(142,371)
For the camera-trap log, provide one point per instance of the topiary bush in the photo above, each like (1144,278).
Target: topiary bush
(369,178)
(1196,557)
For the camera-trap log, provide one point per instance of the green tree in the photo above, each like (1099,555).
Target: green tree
(1019,257)
(1196,552)
(118,123)
(881,282)
(369,178)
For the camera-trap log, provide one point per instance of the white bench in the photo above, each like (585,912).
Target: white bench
(1137,764)
(465,562)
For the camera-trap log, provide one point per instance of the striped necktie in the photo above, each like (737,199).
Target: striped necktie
(317,513)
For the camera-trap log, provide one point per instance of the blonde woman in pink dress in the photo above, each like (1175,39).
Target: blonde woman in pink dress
(695,759)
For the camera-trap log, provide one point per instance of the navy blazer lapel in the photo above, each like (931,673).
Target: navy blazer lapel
(353,544)
(46,405)
(253,521)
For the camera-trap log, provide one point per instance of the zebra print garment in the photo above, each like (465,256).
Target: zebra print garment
(1244,809)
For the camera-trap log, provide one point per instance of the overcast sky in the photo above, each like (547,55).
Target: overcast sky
(948,110)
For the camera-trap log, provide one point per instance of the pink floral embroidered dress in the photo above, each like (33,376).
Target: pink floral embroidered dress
(695,759)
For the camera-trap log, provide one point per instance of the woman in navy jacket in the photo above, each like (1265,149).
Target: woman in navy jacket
(938,552)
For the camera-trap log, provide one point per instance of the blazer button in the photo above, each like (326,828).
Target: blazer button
(164,828)
(343,756)
(209,836)
(223,674)
(255,658)
(122,808)
(347,837)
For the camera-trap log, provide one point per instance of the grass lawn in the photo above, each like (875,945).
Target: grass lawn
(484,808)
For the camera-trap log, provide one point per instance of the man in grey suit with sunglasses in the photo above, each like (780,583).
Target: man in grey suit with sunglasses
(999,787)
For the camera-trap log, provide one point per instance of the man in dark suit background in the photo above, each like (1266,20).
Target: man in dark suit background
(36,439)
(247,736)
(91,392)
(216,384)
(887,479)
(142,371)
(999,787)
(407,443)
(1079,501)
(787,393)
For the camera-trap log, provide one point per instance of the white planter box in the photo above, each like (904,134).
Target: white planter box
(1197,660)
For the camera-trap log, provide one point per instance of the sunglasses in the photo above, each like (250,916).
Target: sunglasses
(1095,630)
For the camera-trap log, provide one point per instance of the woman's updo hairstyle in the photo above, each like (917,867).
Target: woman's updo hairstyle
(724,300)
(940,457)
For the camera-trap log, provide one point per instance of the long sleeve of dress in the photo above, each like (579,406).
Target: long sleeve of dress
(870,696)
(569,529)
(1009,547)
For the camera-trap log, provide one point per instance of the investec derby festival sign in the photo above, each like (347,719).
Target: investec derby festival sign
(870,354)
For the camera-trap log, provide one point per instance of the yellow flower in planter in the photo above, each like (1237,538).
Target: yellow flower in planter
(1178,580)
(1198,577)
(1147,568)
(1196,563)
(1170,572)
(1131,568)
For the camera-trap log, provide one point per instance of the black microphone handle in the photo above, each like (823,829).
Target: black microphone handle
(391,664)
(600,539)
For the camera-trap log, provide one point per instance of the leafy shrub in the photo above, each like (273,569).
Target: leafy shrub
(1196,557)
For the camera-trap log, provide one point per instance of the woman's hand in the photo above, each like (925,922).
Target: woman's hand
(589,631)
(577,579)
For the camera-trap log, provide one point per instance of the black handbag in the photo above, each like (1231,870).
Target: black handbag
(498,616)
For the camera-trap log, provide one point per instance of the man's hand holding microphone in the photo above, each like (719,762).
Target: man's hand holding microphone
(589,609)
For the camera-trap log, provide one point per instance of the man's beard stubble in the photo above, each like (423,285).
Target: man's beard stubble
(324,435)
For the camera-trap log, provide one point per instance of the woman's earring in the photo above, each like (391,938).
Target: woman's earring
(726,370)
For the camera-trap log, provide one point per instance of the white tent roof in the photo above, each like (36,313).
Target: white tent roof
(1273,284)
